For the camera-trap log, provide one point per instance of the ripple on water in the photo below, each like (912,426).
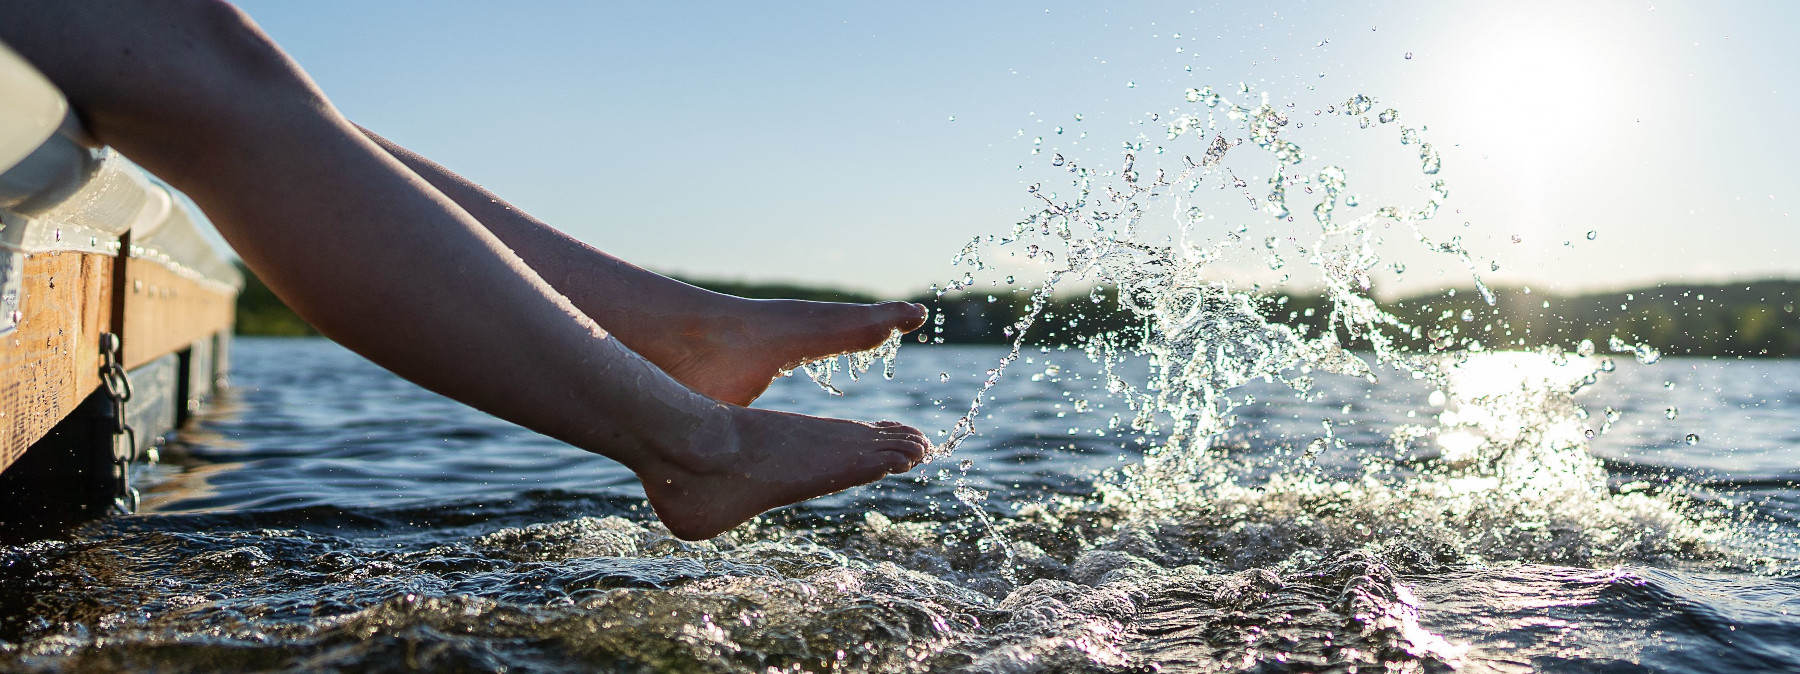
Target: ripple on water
(617,593)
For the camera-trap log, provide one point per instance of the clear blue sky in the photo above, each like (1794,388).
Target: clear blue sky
(814,142)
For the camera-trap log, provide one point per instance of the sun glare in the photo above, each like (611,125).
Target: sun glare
(1533,95)
(1534,82)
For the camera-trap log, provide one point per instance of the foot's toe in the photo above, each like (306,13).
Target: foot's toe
(896,456)
(881,320)
(914,439)
(903,316)
(906,439)
(913,448)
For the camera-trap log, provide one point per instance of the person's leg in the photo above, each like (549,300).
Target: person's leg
(377,259)
(726,347)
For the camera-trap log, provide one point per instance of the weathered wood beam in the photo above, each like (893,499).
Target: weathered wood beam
(165,312)
(52,360)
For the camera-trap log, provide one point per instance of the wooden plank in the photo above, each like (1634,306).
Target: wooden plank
(52,361)
(165,312)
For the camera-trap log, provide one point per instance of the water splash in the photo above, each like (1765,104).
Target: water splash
(1502,474)
(855,364)
(1203,336)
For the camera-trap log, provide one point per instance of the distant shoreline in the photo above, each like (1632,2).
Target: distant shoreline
(1755,319)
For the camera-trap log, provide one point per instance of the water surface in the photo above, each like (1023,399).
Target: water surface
(330,516)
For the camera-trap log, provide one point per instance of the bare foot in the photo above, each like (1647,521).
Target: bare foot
(733,354)
(761,459)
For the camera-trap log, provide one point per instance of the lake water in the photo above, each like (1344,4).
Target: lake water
(328,516)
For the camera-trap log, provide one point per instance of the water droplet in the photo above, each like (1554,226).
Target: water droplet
(1409,56)
(1593,234)
(1671,412)
(1693,439)
(1132,84)
(1389,115)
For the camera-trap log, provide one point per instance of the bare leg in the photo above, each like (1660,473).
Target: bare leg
(726,347)
(379,260)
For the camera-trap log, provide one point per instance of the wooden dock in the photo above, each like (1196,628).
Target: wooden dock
(94,254)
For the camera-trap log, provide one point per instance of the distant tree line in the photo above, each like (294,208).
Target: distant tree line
(1749,319)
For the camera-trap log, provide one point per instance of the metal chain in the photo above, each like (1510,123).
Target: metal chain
(124,441)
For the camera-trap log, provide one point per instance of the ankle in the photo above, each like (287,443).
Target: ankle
(698,443)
